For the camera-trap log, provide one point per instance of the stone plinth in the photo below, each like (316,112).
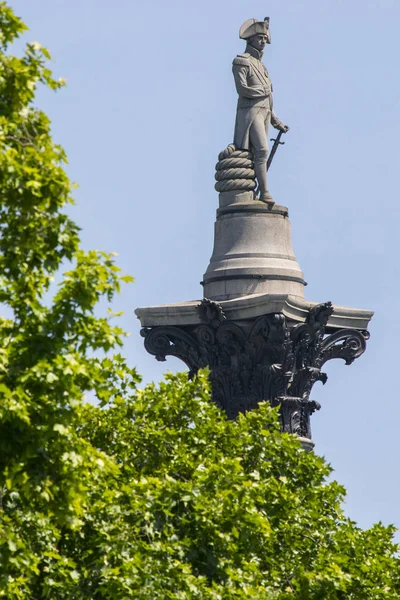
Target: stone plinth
(253,251)
(247,308)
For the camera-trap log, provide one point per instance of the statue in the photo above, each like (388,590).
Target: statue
(255,107)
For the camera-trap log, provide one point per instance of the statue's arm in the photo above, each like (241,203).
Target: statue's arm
(240,73)
(277,124)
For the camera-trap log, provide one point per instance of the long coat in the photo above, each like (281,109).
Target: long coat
(254,88)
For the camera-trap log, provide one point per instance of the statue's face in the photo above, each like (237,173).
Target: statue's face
(258,41)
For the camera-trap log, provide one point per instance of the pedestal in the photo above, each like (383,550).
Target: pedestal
(252,250)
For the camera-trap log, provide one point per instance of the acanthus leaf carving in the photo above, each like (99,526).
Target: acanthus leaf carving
(347,344)
(269,360)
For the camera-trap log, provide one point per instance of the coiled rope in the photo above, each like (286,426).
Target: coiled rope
(235,170)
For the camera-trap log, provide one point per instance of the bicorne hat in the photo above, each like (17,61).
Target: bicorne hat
(253,27)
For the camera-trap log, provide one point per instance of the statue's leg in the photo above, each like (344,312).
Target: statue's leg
(259,143)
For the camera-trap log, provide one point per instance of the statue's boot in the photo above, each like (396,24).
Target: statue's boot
(260,167)
(266,197)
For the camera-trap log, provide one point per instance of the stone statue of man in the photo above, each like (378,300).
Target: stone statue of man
(254,109)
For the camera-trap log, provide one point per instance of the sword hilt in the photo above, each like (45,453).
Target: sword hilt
(278,141)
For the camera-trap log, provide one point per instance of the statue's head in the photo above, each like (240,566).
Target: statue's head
(256,33)
(258,41)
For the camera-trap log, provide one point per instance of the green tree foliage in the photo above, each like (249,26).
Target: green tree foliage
(153,493)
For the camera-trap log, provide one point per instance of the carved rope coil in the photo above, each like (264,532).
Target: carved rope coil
(230,149)
(236,154)
(234,174)
(229,185)
(233,163)
(234,171)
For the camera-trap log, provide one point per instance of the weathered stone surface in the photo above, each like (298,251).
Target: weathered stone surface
(227,198)
(293,308)
(307,444)
(252,251)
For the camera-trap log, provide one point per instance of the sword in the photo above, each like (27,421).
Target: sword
(277,142)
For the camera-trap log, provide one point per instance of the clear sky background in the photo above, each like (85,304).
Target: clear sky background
(149,104)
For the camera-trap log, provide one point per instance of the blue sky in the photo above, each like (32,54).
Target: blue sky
(149,104)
